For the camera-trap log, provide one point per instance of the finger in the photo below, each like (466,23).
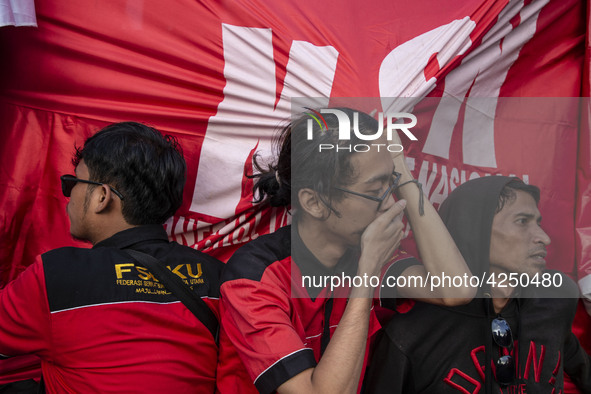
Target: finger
(395,210)
(399,217)
(390,219)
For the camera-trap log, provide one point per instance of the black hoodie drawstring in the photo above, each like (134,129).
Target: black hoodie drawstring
(517,351)
(488,346)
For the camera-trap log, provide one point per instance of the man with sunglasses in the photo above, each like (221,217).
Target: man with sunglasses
(515,336)
(97,318)
(283,333)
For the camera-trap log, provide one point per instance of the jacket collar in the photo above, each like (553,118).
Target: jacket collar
(126,238)
(309,265)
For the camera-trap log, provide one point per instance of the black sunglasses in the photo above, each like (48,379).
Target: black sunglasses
(394,180)
(69,181)
(505,366)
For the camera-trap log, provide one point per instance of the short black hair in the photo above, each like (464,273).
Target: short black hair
(147,168)
(508,193)
(300,164)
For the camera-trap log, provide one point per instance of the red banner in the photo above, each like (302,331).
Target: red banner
(220,77)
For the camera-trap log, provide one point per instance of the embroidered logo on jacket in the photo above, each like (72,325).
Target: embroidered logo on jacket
(526,375)
(129,274)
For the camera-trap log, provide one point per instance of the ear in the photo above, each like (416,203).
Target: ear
(311,203)
(102,197)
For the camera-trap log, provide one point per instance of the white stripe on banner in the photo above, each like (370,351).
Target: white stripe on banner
(585,286)
(248,116)
(17,13)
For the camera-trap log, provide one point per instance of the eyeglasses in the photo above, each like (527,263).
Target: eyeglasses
(505,366)
(394,180)
(69,181)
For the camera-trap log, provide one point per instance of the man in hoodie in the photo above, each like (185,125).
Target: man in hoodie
(521,327)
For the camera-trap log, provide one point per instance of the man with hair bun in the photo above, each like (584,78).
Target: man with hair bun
(97,318)
(280,335)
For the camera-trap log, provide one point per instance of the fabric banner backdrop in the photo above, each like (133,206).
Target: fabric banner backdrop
(17,13)
(495,84)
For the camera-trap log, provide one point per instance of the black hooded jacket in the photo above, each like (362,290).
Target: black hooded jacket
(437,350)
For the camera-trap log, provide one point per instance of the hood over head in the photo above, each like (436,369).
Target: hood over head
(468,213)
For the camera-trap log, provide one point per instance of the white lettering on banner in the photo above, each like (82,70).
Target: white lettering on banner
(188,237)
(208,236)
(482,72)
(247,115)
(440,180)
(402,72)
(230,232)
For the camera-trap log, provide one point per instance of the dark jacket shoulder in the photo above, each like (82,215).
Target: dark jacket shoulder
(252,259)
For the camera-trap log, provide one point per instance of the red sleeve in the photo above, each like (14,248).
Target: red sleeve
(20,368)
(256,318)
(24,314)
